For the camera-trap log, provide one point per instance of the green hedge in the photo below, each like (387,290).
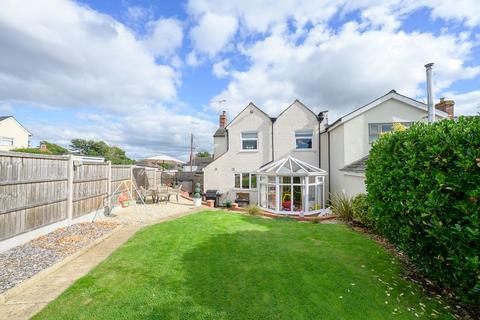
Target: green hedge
(424,194)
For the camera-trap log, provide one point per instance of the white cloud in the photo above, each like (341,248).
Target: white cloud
(219,69)
(213,33)
(461,10)
(192,59)
(149,132)
(166,36)
(77,58)
(5,108)
(340,71)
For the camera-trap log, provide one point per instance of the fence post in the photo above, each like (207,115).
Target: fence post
(109,184)
(131,179)
(155,178)
(70,189)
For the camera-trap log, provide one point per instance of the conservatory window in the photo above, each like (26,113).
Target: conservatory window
(249,141)
(291,186)
(303,139)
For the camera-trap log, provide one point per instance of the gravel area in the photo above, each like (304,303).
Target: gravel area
(22,262)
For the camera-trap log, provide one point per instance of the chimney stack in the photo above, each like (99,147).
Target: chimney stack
(223,119)
(431,110)
(446,106)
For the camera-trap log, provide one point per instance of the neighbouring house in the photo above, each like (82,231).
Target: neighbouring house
(197,164)
(12,134)
(290,163)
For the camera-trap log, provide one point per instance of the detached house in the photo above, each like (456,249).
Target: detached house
(12,134)
(289,164)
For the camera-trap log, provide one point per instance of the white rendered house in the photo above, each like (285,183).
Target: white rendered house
(12,134)
(289,164)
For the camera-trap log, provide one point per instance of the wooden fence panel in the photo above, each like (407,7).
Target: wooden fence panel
(90,186)
(33,192)
(119,173)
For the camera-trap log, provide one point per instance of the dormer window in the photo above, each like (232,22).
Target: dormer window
(303,139)
(249,140)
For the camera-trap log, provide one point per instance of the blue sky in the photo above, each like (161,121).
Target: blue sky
(143,75)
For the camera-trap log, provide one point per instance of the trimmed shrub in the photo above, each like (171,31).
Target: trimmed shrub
(341,205)
(253,210)
(360,210)
(424,194)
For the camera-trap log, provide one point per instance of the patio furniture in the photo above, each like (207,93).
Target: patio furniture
(176,191)
(163,194)
(148,193)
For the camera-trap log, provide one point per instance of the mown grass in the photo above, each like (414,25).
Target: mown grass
(218,265)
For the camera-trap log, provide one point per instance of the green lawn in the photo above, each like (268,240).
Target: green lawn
(217,265)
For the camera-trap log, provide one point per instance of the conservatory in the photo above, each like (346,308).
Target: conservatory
(291,186)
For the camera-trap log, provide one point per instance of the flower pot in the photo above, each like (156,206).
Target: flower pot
(197,202)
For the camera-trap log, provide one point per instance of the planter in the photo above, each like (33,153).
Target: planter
(210,203)
(197,202)
(234,206)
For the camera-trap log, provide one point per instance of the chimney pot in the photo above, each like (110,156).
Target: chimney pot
(223,119)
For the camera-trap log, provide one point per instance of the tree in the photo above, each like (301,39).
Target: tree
(100,149)
(203,154)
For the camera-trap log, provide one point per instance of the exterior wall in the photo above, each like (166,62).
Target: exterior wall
(356,129)
(296,117)
(11,129)
(337,161)
(219,146)
(324,160)
(220,174)
(353,184)
(349,141)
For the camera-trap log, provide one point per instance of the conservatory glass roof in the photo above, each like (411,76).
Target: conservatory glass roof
(290,166)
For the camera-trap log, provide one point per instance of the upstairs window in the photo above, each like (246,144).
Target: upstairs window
(304,139)
(249,141)
(375,130)
(245,181)
(5,141)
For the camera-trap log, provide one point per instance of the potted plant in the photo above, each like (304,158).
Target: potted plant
(197,199)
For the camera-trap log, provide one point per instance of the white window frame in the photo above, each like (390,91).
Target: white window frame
(310,132)
(6,141)
(248,139)
(379,128)
(241,175)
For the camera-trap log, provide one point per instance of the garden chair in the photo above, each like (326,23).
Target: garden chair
(176,191)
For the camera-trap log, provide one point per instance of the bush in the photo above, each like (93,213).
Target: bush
(360,210)
(253,210)
(341,205)
(424,194)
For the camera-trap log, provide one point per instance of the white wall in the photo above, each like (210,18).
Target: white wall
(356,129)
(11,129)
(296,117)
(220,174)
(219,146)
(349,141)
(353,184)
(337,161)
